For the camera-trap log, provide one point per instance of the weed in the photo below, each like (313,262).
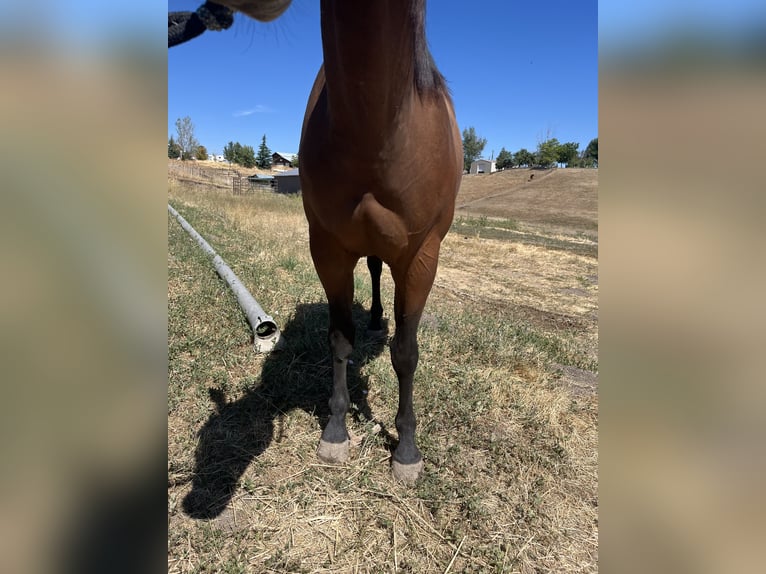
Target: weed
(289,263)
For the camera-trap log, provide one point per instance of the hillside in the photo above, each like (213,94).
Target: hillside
(561,198)
(561,201)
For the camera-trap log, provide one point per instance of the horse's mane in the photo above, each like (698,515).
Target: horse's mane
(428,78)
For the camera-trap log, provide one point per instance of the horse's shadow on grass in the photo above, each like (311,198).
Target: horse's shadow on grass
(298,376)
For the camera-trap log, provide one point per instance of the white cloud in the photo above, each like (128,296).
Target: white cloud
(259,109)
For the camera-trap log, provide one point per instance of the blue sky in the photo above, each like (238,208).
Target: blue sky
(519,73)
(642,23)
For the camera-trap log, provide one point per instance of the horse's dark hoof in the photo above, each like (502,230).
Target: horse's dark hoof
(406,473)
(333,453)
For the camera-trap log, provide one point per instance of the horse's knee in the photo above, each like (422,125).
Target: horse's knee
(341,344)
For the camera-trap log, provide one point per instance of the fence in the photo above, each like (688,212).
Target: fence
(193,171)
(231,179)
(243,184)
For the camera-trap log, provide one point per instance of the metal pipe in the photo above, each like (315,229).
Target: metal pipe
(266,334)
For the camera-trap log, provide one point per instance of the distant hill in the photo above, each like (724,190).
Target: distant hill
(565,197)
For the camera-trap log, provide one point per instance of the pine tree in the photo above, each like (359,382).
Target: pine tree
(263,159)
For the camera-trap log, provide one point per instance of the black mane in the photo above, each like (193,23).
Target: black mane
(428,78)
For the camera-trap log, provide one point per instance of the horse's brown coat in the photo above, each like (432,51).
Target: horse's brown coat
(381,161)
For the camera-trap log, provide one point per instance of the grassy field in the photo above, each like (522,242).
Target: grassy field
(563,200)
(506,398)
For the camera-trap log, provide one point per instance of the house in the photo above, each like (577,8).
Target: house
(282,159)
(483,166)
(288,181)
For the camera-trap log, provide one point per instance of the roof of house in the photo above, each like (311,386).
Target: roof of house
(293,171)
(287,156)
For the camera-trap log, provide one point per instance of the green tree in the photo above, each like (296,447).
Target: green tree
(473,145)
(547,153)
(186,139)
(174,150)
(243,155)
(246,156)
(201,152)
(504,159)
(523,158)
(263,159)
(233,152)
(568,153)
(590,155)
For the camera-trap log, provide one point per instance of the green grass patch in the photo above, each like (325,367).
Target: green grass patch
(509,230)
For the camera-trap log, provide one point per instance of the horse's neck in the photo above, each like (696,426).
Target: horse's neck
(369,59)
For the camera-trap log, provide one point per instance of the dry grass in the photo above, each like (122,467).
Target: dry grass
(510,483)
(554,290)
(563,199)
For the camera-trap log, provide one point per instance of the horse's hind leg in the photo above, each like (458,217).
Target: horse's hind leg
(335,268)
(375,265)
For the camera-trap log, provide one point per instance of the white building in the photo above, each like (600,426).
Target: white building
(482,166)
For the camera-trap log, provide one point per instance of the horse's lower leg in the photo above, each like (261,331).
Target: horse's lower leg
(333,447)
(335,268)
(375,265)
(407,460)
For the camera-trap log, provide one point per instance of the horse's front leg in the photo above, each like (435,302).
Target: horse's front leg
(333,446)
(407,462)
(335,268)
(413,284)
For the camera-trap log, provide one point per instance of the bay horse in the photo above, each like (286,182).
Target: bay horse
(381,162)
(380,165)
